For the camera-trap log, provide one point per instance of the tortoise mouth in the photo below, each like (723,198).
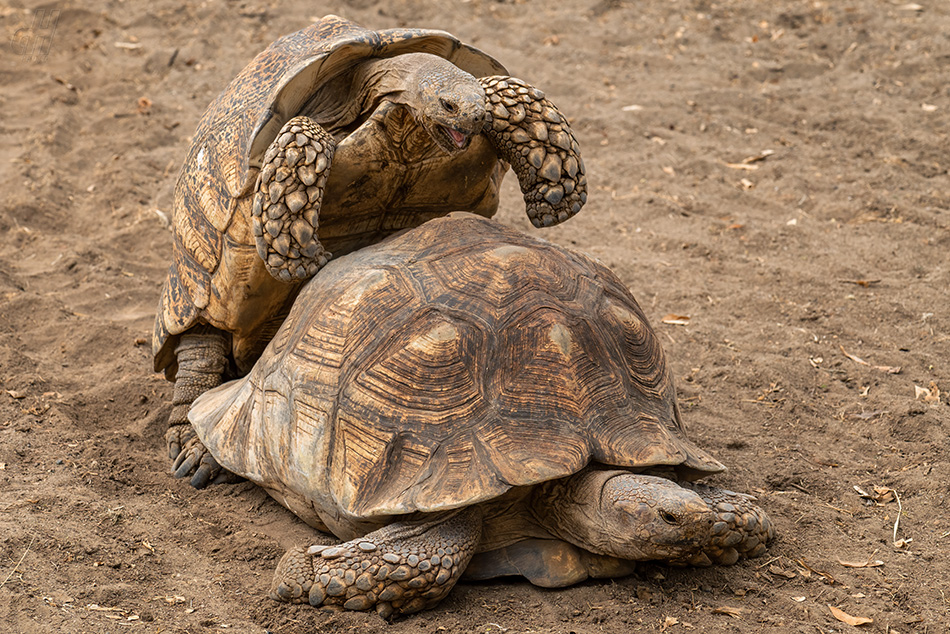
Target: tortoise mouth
(453,140)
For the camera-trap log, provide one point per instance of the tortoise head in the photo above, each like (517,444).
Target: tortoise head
(628,515)
(447,102)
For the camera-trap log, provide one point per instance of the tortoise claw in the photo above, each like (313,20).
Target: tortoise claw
(193,459)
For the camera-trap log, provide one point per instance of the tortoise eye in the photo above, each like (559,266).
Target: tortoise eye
(446,104)
(669,518)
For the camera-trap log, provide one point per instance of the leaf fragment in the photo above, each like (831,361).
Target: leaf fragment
(728,610)
(676,320)
(844,617)
(861,564)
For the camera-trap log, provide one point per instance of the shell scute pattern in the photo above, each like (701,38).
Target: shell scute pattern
(444,402)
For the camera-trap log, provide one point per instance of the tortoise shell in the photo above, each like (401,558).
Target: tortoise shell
(217,277)
(441,368)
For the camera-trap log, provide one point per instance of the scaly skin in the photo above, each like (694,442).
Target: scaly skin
(741,529)
(286,209)
(201,361)
(530,134)
(399,569)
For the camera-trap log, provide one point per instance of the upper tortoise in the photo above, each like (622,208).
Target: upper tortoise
(461,398)
(331,139)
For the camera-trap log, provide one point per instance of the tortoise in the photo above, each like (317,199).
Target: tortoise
(462,398)
(332,138)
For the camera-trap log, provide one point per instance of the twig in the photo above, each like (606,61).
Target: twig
(12,572)
(897,522)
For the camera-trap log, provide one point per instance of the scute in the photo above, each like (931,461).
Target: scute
(486,360)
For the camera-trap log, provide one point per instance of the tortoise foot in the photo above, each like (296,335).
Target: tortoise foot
(195,460)
(399,569)
(741,529)
(531,134)
(287,203)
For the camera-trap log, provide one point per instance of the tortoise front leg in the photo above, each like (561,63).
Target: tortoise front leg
(740,529)
(202,355)
(399,569)
(287,201)
(530,134)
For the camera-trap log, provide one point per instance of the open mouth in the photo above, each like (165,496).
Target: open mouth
(455,137)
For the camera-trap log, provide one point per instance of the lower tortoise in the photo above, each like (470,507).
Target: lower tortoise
(462,400)
(329,140)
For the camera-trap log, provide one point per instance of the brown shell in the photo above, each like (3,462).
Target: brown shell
(217,277)
(444,366)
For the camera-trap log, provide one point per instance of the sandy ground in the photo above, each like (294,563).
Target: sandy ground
(775,172)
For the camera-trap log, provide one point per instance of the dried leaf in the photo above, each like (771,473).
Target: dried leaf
(775,570)
(930,395)
(735,613)
(888,369)
(15,394)
(676,320)
(670,621)
(861,564)
(844,617)
(798,599)
(742,166)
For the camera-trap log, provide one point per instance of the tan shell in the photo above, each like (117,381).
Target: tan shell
(444,366)
(217,277)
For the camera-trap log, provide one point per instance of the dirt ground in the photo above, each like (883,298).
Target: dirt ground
(772,175)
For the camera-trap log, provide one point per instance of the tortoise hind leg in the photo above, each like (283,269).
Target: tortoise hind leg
(399,569)
(530,134)
(288,197)
(202,355)
(740,529)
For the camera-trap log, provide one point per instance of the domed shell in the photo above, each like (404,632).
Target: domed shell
(220,169)
(445,366)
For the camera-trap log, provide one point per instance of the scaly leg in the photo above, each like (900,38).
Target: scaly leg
(741,529)
(202,355)
(530,134)
(288,198)
(399,569)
